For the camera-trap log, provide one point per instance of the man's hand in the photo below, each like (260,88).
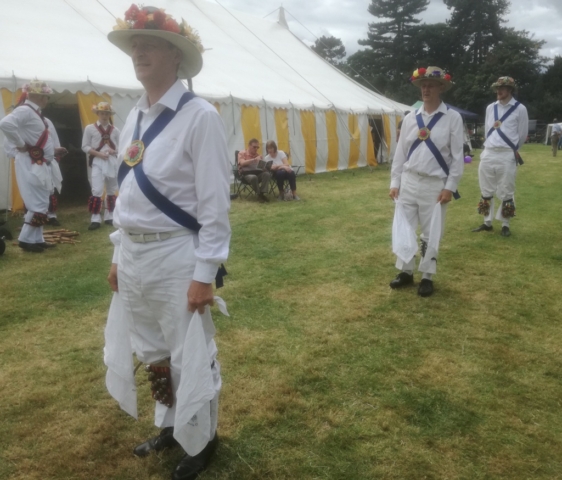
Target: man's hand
(394,193)
(112,277)
(60,151)
(445,196)
(199,295)
(102,155)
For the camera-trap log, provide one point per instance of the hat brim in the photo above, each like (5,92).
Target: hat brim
(447,84)
(95,110)
(192,61)
(495,87)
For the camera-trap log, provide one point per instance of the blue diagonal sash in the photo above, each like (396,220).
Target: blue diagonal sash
(502,135)
(432,147)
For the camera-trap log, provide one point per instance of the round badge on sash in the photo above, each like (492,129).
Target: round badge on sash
(36,154)
(497,124)
(424,134)
(134,153)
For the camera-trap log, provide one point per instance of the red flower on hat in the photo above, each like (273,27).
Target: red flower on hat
(422,71)
(172,26)
(141,20)
(447,77)
(131,14)
(159,18)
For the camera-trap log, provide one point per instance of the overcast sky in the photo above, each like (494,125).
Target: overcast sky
(348,19)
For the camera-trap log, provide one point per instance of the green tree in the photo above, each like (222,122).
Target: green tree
(330,48)
(477,25)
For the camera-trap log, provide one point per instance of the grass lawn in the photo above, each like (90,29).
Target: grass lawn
(327,373)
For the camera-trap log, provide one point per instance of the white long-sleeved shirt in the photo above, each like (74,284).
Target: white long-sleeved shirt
(92,139)
(515,127)
(556,129)
(447,135)
(189,164)
(24,127)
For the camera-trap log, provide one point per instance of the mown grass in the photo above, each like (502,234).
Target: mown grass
(328,374)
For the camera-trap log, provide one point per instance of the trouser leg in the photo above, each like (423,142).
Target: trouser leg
(110,197)
(507,173)
(251,180)
(53,205)
(264,182)
(554,143)
(487,178)
(94,202)
(407,197)
(292,181)
(280,177)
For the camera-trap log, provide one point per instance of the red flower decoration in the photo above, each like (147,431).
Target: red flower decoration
(131,14)
(159,18)
(422,71)
(172,26)
(133,151)
(447,77)
(142,17)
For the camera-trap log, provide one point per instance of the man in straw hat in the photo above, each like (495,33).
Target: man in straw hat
(100,142)
(173,233)
(507,126)
(427,167)
(28,133)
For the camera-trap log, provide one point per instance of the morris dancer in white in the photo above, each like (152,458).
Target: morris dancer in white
(56,176)
(427,168)
(507,127)
(27,131)
(172,216)
(101,142)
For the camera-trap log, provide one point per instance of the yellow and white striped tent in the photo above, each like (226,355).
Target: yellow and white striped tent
(262,79)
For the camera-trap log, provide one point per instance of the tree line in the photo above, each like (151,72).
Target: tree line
(474,45)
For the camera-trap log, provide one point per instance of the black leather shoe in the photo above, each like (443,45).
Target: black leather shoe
(164,440)
(484,228)
(47,245)
(401,280)
(31,247)
(94,226)
(189,468)
(109,222)
(505,232)
(54,222)
(426,288)
(262,198)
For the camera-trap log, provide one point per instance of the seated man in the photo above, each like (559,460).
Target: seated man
(250,174)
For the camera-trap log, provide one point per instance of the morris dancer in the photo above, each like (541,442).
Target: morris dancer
(507,126)
(100,143)
(174,182)
(427,167)
(27,131)
(56,175)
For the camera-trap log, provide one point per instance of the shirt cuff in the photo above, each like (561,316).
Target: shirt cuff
(116,250)
(205,272)
(395,184)
(451,185)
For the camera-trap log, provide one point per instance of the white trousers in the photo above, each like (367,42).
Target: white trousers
(496,174)
(99,182)
(153,282)
(418,195)
(35,196)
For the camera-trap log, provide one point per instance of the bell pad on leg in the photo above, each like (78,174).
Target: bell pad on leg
(484,206)
(160,378)
(110,202)
(38,220)
(94,205)
(508,209)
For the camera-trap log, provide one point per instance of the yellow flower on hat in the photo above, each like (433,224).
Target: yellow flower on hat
(416,74)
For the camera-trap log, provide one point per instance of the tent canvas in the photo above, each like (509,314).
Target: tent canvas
(262,79)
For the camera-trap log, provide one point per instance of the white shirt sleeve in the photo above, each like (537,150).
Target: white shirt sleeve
(10,125)
(53,133)
(523,125)
(456,168)
(400,155)
(212,183)
(87,140)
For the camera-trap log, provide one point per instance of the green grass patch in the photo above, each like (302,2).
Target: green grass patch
(327,373)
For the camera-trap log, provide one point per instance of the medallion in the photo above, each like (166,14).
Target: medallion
(36,154)
(134,153)
(497,124)
(424,134)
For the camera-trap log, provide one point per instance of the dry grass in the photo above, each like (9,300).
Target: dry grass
(327,373)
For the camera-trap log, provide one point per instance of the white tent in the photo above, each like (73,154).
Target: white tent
(262,79)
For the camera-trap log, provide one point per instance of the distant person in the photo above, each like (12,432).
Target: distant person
(555,136)
(250,173)
(28,136)
(427,167)
(100,143)
(506,126)
(57,177)
(399,127)
(281,169)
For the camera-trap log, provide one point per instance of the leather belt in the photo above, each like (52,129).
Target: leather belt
(157,237)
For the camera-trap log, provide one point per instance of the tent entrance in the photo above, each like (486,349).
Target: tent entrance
(66,119)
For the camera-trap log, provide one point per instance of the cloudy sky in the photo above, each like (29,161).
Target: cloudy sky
(348,19)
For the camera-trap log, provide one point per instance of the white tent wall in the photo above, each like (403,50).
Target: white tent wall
(321,141)
(344,140)
(296,139)
(365,134)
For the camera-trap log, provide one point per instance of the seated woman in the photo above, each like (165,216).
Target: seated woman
(281,169)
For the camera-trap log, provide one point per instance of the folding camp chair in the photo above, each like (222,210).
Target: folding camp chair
(240,188)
